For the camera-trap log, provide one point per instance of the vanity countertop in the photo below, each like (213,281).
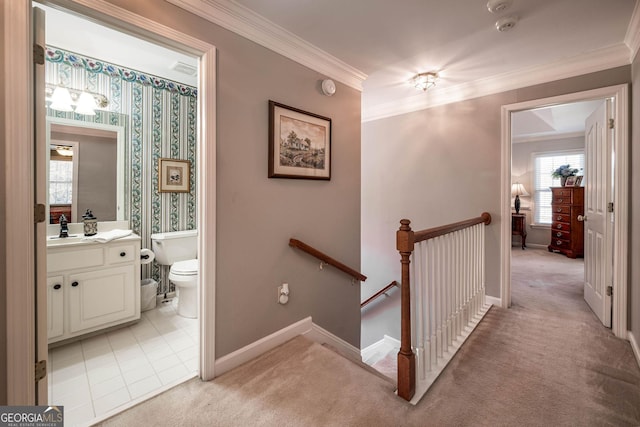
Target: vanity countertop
(80,240)
(77,237)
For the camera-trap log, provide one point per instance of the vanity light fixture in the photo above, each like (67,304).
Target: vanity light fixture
(425,81)
(86,104)
(63,99)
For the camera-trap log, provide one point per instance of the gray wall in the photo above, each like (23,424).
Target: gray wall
(3,243)
(522,171)
(634,220)
(440,165)
(256,215)
(97,177)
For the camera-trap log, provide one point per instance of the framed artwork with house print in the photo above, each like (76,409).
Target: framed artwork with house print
(299,143)
(174,176)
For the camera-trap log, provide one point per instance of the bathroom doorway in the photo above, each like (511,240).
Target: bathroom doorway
(175,349)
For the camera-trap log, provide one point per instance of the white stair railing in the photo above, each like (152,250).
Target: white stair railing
(444,291)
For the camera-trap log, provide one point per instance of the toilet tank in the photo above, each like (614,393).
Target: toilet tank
(174,246)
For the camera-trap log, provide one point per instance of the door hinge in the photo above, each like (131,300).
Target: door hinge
(611,123)
(39,213)
(41,369)
(610,207)
(38,54)
(609,291)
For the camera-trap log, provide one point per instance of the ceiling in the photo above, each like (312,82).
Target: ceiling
(559,121)
(101,42)
(392,41)
(382,44)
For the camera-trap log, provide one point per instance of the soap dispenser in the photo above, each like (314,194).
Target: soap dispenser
(90,223)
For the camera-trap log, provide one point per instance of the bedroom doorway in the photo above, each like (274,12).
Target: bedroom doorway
(542,113)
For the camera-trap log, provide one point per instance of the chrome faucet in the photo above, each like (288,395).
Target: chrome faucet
(64,230)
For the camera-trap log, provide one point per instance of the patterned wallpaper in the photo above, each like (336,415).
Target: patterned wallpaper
(159,117)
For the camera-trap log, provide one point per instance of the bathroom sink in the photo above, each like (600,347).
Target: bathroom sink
(56,240)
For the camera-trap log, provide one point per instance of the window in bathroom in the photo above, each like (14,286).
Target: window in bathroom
(61,181)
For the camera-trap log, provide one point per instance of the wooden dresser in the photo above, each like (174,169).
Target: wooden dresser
(567,233)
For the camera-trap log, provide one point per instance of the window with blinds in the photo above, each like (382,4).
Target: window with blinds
(60,182)
(543,165)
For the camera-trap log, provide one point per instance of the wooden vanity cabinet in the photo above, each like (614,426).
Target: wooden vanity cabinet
(92,286)
(567,233)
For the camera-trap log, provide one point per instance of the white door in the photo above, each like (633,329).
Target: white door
(41,196)
(597,225)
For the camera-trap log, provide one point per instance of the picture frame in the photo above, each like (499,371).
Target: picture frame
(570,182)
(174,176)
(299,143)
(578,181)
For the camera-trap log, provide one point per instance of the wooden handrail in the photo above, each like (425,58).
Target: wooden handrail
(419,236)
(405,241)
(380,292)
(327,259)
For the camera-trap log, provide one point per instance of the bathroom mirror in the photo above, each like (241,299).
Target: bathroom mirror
(86,168)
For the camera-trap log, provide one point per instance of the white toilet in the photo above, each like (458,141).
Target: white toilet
(178,249)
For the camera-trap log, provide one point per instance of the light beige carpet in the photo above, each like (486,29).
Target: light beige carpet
(545,362)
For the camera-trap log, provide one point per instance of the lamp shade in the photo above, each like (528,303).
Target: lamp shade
(86,104)
(61,99)
(518,189)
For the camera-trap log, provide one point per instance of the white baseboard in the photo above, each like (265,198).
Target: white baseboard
(384,344)
(322,336)
(537,246)
(492,300)
(304,327)
(634,346)
(255,349)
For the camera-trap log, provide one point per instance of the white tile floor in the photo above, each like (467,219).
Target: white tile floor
(96,375)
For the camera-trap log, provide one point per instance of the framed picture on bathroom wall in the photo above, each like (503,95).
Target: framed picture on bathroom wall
(299,143)
(173,176)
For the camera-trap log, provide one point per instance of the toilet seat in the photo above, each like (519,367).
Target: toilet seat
(185,268)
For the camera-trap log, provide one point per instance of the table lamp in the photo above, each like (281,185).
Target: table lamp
(518,190)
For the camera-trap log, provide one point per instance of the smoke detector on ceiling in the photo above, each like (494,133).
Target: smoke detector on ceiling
(181,67)
(506,23)
(497,6)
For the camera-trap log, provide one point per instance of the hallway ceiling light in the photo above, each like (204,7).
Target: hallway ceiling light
(64,150)
(425,81)
(64,99)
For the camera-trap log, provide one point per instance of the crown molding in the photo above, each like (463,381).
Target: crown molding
(632,38)
(243,21)
(546,136)
(598,60)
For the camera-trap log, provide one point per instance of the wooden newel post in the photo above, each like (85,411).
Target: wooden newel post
(406,358)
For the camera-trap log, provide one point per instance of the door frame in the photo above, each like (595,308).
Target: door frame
(20,302)
(620,105)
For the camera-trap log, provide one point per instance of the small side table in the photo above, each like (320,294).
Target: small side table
(518,227)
